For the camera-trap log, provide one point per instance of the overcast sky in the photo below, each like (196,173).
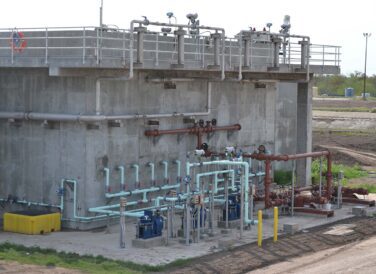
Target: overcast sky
(332,22)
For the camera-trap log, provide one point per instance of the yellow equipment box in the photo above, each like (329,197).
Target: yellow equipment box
(32,222)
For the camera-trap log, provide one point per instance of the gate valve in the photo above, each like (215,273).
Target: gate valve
(201,123)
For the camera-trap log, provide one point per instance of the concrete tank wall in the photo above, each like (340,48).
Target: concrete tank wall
(34,159)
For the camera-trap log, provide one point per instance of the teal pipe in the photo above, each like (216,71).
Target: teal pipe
(199,175)
(75,216)
(122,180)
(142,191)
(165,171)
(106,171)
(137,169)
(152,174)
(245,166)
(28,203)
(178,168)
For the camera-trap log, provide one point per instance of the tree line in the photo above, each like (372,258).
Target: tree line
(335,85)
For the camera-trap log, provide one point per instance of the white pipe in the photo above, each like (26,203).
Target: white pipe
(122,180)
(107,179)
(152,172)
(58,117)
(165,172)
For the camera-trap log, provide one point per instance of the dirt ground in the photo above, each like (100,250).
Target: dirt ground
(357,257)
(347,149)
(14,267)
(342,103)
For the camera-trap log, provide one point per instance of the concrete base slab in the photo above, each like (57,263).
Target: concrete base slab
(290,228)
(231,224)
(359,211)
(226,243)
(226,231)
(177,66)
(214,67)
(148,243)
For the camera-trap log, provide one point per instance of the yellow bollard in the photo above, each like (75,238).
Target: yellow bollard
(259,231)
(275,224)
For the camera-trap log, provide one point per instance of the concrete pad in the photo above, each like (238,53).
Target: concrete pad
(231,224)
(148,243)
(290,228)
(226,243)
(359,210)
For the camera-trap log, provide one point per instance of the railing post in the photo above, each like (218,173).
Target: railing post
(157,49)
(46,47)
(123,48)
(11,48)
(230,53)
(84,46)
(323,55)
(97,46)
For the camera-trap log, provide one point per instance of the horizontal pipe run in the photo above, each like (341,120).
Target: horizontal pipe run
(192,130)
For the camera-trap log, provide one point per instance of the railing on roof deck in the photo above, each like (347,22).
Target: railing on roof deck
(92,46)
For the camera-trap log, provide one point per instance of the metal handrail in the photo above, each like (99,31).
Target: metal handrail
(94,42)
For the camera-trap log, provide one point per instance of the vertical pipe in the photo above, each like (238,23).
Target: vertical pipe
(137,168)
(187,208)
(140,44)
(84,46)
(226,197)
(275,238)
(122,181)
(98,96)
(259,228)
(165,172)
(107,179)
(180,35)
(247,42)
(216,37)
(152,173)
(242,184)
(178,171)
(329,177)
(267,182)
(157,49)
(293,188)
(320,185)
(123,203)
(46,57)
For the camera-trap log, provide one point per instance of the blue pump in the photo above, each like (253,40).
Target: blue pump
(233,208)
(150,225)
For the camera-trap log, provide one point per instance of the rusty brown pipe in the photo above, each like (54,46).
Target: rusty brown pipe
(270,157)
(198,131)
(192,130)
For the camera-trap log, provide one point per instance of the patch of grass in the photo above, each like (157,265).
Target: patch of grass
(349,172)
(282,177)
(344,109)
(86,263)
(370,188)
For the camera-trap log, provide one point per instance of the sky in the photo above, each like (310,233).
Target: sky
(331,22)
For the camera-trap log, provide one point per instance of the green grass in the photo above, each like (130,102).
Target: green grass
(370,188)
(88,264)
(349,172)
(344,109)
(282,177)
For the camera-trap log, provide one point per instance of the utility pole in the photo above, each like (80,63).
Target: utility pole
(101,15)
(366,35)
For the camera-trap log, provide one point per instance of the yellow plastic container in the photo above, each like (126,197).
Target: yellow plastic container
(32,222)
